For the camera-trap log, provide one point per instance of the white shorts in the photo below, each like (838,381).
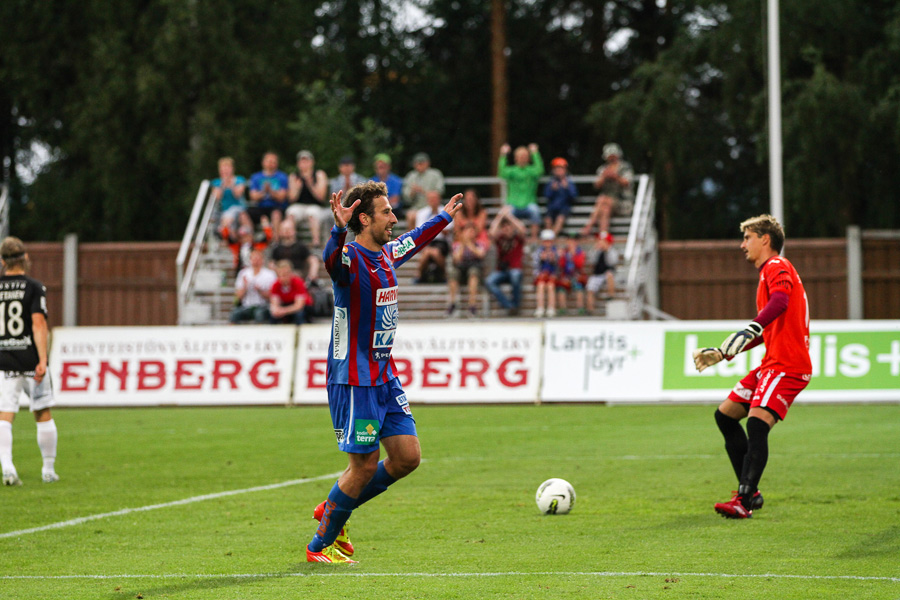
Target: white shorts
(301,212)
(595,283)
(13,384)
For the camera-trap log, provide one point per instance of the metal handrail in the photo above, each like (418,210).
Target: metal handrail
(4,210)
(202,195)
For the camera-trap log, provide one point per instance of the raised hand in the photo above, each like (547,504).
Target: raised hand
(454,205)
(342,214)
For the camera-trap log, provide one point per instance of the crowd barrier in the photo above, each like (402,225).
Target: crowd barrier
(456,362)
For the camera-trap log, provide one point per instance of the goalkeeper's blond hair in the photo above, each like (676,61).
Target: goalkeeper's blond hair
(766,224)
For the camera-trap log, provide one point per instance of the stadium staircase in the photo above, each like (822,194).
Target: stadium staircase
(206,272)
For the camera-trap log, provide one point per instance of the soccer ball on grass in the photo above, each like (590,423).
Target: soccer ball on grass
(555,497)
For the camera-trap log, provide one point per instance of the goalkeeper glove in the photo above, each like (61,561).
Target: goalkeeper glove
(706,357)
(735,343)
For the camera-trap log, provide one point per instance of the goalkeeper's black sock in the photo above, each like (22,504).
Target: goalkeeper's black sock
(735,441)
(756,459)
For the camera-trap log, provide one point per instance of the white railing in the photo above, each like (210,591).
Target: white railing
(4,211)
(192,242)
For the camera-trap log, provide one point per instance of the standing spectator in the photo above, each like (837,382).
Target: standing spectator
(23,360)
(546,260)
(268,191)
(561,195)
(252,290)
(764,395)
(522,183)
(571,277)
(417,183)
(289,298)
(471,211)
(508,234)
(229,189)
(432,267)
(614,179)
(393,182)
(604,259)
(468,261)
(347,177)
(288,247)
(308,188)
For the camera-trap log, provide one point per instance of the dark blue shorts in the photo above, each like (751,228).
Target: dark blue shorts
(362,415)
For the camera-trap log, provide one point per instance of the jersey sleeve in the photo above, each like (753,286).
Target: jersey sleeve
(337,256)
(39,300)
(408,245)
(778,278)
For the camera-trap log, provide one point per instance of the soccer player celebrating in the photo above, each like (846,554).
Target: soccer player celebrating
(366,401)
(23,359)
(767,392)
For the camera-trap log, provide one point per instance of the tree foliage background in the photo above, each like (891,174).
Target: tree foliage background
(125,107)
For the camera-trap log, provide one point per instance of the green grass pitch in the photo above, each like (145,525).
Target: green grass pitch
(465,524)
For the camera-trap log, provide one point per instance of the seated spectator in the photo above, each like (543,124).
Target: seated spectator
(467,265)
(432,266)
(246,238)
(614,179)
(347,177)
(508,235)
(289,298)
(571,277)
(417,183)
(603,260)
(522,183)
(308,189)
(268,191)
(288,247)
(561,195)
(229,189)
(393,182)
(471,211)
(252,289)
(546,267)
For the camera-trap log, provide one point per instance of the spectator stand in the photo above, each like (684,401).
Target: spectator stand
(206,290)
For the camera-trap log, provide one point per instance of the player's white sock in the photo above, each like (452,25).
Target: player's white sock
(46,439)
(6,463)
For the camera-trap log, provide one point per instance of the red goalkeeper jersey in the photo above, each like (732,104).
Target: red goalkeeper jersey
(787,337)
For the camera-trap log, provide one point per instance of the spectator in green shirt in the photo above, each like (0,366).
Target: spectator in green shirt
(522,183)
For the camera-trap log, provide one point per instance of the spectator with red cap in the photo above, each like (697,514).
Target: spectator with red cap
(560,193)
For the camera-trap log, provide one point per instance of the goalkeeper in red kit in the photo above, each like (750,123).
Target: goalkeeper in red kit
(766,393)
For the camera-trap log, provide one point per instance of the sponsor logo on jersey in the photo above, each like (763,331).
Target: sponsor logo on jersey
(380,355)
(403,248)
(389,317)
(383,339)
(339,434)
(345,256)
(339,333)
(365,431)
(385,296)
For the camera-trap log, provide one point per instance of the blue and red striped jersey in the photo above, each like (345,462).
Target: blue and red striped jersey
(365,302)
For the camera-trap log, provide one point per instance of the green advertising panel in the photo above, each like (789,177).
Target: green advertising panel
(841,360)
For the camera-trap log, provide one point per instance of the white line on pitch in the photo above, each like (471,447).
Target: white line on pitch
(465,575)
(125,511)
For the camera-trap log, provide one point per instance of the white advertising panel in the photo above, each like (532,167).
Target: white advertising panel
(458,361)
(148,366)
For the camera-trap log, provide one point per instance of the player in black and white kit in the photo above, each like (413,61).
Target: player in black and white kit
(23,359)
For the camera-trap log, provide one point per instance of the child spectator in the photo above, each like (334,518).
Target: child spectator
(252,289)
(508,234)
(432,267)
(604,259)
(561,194)
(245,238)
(572,277)
(468,262)
(546,269)
(229,192)
(289,298)
(522,183)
